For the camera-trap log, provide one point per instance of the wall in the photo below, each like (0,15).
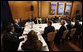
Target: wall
(21,9)
(77,5)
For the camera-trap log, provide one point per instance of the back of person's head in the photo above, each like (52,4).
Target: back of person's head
(62,22)
(76,22)
(39,17)
(49,22)
(68,21)
(32,35)
(10,28)
(16,21)
(32,44)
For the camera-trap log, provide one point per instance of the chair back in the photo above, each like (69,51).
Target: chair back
(72,32)
(51,35)
(64,34)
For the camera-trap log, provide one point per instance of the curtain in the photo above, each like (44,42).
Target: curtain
(6,15)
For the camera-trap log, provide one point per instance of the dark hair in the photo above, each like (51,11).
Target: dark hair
(76,22)
(68,20)
(50,22)
(9,28)
(32,36)
(39,17)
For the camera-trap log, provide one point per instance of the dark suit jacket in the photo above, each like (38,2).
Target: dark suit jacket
(78,29)
(69,27)
(10,41)
(60,33)
(18,29)
(22,23)
(35,21)
(47,30)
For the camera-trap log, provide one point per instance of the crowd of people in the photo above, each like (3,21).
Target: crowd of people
(13,31)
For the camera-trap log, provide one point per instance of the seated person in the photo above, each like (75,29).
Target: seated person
(29,19)
(18,29)
(10,39)
(35,20)
(60,32)
(48,29)
(39,20)
(52,19)
(32,44)
(69,27)
(22,22)
(78,29)
(46,20)
(55,19)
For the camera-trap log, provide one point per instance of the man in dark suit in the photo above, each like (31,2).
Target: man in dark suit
(22,22)
(10,39)
(69,27)
(18,28)
(78,29)
(48,29)
(55,19)
(60,32)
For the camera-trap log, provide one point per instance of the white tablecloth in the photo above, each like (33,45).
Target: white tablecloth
(26,30)
(40,29)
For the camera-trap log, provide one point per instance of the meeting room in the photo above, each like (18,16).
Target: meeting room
(51,25)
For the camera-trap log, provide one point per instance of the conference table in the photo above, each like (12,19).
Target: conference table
(39,28)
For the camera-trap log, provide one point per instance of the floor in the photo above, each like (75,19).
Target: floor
(69,46)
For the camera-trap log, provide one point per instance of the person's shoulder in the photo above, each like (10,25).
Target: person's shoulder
(52,26)
(39,43)
(46,27)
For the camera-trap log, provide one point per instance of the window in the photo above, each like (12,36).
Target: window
(67,8)
(53,8)
(60,8)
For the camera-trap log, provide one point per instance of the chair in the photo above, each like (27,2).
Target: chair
(80,36)
(50,38)
(64,34)
(72,32)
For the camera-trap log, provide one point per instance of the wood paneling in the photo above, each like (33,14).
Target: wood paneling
(21,9)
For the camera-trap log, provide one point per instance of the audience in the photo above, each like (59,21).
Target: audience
(13,31)
(10,39)
(32,43)
(60,32)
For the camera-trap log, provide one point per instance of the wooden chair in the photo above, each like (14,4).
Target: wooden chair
(72,33)
(64,34)
(80,36)
(50,38)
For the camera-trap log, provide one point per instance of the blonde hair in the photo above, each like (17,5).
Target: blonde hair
(63,21)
